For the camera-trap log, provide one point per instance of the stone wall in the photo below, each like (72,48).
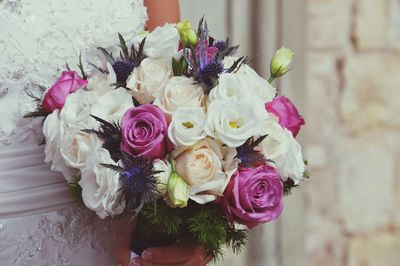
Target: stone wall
(353,132)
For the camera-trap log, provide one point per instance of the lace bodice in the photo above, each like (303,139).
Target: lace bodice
(37,38)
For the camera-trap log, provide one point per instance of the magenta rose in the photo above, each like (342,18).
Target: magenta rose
(287,114)
(254,195)
(145,132)
(55,97)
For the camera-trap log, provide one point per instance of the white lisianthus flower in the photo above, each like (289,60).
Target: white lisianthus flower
(162,42)
(149,79)
(77,109)
(180,91)
(101,186)
(187,126)
(162,177)
(234,122)
(231,86)
(113,105)
(51,132)
(257,85)
(281,147)
(203,167)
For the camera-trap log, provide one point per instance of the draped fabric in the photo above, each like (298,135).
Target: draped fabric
(39,222)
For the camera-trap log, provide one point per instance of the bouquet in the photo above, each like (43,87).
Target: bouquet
(177,132)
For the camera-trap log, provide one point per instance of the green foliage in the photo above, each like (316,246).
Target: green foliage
(203,225)
(162,218)
(288,185)
(75,189)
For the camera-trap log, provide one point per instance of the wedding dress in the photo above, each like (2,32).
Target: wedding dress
(39,223)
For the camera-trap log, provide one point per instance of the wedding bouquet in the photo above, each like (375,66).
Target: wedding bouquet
(177,132)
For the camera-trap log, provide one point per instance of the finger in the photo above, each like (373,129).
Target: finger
(174,254)
(140,262)
(124,233)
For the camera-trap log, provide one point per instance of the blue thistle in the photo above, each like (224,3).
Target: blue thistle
(209,74)
(138,177)
(248,155)
(220,45)
(129,58)
(122,70)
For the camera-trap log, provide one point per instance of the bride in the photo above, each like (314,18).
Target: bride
(39,223)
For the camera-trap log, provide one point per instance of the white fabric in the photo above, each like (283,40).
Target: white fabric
(39,223)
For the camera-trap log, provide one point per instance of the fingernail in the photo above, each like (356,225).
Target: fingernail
(146,255)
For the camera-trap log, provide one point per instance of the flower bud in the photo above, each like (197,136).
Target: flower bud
(178,194)
(187,34)
(280,62)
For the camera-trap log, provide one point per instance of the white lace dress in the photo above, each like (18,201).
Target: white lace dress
(39,224)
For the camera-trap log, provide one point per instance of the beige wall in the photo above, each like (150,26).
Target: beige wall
(353,132)
(346,82)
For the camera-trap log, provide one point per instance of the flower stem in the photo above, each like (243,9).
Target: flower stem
(271,79)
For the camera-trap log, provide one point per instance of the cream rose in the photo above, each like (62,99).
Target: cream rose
(162,178)
(113,105)
(76,145)
(51,132)
(149,79)
(180,91)
(203,168)
(187,126)
(101,186)
(281,147)
(77,109)
(102,84)
(258,86)
(234,122)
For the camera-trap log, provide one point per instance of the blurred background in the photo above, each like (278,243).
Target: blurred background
(346,83)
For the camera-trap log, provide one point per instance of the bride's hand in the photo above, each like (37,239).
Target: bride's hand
(171,255)
(123,251)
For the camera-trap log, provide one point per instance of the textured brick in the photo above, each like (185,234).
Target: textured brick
(366,183)
(371,97)
(377,249)
(329,23)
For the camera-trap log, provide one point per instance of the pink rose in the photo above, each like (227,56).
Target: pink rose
(145,132)
(54,98)
(288,116)
(254,195)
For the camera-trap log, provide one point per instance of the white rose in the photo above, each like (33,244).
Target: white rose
(187,126)
(258,86)
(149,79)
(281,147)
(101,186)
(234,122)
(162,177)
(207,168)
(101,83)
(76,145)
(231,86)
(180,91)
(51,132)
(162,42)
(113,105)
(77,109)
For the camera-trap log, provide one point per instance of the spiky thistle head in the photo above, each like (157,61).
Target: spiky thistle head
(248,155)
(129,58)
(208,75)
(139,180)
(110,134)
